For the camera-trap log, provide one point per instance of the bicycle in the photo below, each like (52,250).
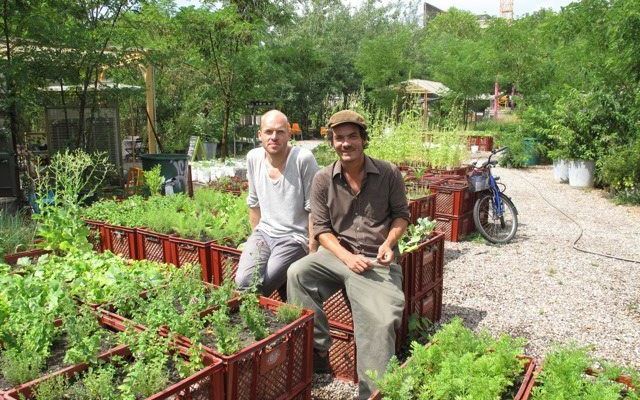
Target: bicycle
(494,214)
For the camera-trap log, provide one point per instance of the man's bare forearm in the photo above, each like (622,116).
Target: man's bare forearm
(330,242)
(313,243)
(398,228)
(254,217)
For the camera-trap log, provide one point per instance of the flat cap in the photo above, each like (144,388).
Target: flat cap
(347,117)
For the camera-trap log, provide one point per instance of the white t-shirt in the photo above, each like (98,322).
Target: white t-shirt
(284,202)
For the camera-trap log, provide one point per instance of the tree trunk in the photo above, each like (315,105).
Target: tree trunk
(225,129)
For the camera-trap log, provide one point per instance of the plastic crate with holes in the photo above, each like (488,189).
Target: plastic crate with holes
(96,234)
(191,251)
(455,228)
(276,367)
(153,246)
(120,240)
(453,197)
(207,383)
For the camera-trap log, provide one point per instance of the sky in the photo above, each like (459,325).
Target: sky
(491,7)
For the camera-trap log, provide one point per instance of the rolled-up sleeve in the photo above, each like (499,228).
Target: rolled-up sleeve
(309,169)
(398,199)
(319,206)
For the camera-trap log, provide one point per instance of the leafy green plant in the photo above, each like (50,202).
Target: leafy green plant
(154,180)
(227,335)
(252,315)
(457,364)
(288,313)
(71,178)
(51,389)
(564,376)
(415,235)
(17,233)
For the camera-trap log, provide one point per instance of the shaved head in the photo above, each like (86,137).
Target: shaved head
(273,115)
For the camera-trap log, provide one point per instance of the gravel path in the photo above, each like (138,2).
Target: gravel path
(538,287)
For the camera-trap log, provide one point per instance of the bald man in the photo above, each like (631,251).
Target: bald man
(280,177)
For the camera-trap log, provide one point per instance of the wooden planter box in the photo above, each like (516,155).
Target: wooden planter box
(205,384)
(276,367)
(153,246)
(524,391)
(455,228)
(120,240)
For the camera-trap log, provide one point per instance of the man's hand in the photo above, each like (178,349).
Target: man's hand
(385,254)
(357,263)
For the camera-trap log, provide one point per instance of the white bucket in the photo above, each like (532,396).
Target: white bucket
(581,173)
(561,170)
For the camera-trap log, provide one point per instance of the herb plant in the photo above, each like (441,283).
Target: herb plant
(458,364)
(288,313)
(564,376)
(153,179)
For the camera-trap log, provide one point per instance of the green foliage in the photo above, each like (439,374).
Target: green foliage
(227,334)
(61,188)
(287,313)
(210,215)
(153,180)
(324,154)
(457,364)
(621,168)
(564,376)
(253,316)
(17,233)
(415,235)
(51,389)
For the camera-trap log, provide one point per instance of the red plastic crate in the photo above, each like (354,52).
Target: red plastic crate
(342,355)
(204,384)
(425,269)
(219,256)
(338,309)
(97,236)
(153,246)
(424,207)
(455,228)
(185,251)
(453,198)
(120,240)
(13,258)
(459,171)
(276,367)
(427,304)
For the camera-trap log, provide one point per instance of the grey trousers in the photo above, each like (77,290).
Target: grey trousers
(377,302)
(268,258)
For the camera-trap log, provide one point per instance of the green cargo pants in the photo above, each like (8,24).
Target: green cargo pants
(377,302)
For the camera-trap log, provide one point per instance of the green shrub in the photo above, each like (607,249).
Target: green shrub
(620,169)
(16,233)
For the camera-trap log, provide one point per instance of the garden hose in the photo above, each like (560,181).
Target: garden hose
(575,242)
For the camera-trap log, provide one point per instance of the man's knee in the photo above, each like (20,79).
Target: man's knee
(243,279)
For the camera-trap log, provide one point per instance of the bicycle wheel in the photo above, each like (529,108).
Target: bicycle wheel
(492,226)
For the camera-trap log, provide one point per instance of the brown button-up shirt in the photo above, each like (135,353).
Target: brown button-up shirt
(361,221)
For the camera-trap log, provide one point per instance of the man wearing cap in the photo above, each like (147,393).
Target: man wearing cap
(280,178)
(359,212)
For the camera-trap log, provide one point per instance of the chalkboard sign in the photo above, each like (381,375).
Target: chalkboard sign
(195,148)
